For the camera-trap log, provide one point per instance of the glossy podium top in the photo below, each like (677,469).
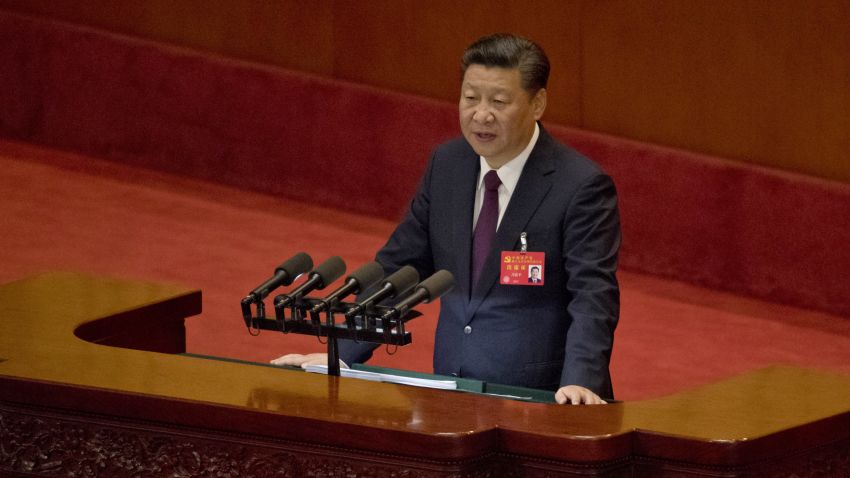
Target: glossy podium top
(45,363)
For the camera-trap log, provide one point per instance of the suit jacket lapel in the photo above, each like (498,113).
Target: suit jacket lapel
(532,187)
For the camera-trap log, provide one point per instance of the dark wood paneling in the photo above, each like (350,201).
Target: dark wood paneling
(761,82)
(295,34)
(416,46)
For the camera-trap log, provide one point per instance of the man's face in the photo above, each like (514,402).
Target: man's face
(535,273)
(497,115)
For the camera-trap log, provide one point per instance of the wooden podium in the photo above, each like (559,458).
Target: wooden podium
(92,384)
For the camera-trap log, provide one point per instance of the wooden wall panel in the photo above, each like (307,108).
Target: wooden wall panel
(762,82)
(296,34)
(416,46)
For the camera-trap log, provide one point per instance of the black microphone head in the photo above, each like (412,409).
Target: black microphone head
(366,276)
(438,284)
(403,279)
(330,270)
(295,266)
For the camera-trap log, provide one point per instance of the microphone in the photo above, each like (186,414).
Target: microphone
(396,284)
(284,274)
(321,276)
(361,279)
(430,289)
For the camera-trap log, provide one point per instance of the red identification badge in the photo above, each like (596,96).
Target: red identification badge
(522,269)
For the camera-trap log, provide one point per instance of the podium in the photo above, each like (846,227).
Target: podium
(93,382)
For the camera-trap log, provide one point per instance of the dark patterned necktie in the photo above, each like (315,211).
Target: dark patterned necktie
(485,229)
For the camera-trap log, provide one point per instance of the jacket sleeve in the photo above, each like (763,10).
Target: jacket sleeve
(591,243)
(409,244)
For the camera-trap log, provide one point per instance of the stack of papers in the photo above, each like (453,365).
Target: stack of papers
(386,377)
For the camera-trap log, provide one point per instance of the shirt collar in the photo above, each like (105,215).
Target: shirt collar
(509,172)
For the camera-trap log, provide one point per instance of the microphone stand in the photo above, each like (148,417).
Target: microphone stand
(333,346)
(295,320)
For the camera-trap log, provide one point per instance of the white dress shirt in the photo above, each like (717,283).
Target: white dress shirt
(509,175)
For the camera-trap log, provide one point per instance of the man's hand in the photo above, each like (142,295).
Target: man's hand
(575,395)
(298,360)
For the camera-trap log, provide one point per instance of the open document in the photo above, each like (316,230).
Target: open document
(386,377)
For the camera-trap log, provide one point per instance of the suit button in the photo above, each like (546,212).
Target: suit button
(467,330)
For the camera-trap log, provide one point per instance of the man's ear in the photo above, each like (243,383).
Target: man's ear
(538,103)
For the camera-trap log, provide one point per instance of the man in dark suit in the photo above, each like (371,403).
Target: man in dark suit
(534,278)
(507,178)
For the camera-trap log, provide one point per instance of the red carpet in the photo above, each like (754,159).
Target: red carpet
(65,211)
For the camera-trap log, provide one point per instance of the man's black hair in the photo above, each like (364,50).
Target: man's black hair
(505,50)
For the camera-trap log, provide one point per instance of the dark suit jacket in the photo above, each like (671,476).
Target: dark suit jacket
(543,337)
